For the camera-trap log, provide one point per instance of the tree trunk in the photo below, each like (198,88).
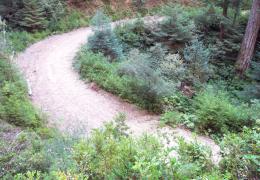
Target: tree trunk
(249,41)
(224,13)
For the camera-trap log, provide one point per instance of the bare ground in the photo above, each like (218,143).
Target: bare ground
(72,105)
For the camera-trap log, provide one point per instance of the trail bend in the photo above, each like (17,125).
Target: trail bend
(72,105)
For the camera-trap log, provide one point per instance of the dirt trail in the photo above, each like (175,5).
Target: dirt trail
(71,105)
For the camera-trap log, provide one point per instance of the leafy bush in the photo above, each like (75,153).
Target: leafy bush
(216,113)
(110,154)
(241,154)
(175,118)
(173,68)
(195,153)
(157,55)
(104,40)
(177,102)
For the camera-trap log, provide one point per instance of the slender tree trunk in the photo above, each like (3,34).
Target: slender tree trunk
(225,7)
(249,41)
(225,14)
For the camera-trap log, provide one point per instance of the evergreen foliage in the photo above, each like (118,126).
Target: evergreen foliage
(176,28)
(208,26)
(104,39)
(150,85)
(197,57)
(32,16)
(135,35)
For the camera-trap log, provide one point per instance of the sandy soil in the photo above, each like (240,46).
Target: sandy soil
(72,105)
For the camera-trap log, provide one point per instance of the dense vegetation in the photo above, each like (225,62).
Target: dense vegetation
(182,67)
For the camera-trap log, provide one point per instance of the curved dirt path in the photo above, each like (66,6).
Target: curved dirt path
(72,105)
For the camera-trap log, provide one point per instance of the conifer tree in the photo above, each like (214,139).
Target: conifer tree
(104,39)
(31,16)
(249,42)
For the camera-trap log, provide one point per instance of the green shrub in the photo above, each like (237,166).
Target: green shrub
(241,154)
(23,153)
(95,67)
(217,114)
(195,153)
(72,19)
(104,39)
(20,40)
(108,154)
(175,118)
(172,118)
(14,104)
(118,13)
(177,102)
(15,108)
(136,82)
